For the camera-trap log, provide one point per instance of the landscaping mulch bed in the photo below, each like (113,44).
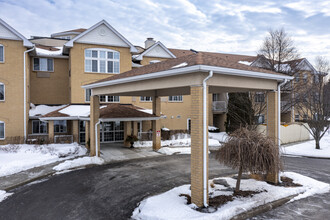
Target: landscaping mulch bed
(288,182)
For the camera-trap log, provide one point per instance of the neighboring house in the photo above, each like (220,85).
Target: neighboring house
(56,68)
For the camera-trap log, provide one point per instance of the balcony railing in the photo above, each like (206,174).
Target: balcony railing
(219,106)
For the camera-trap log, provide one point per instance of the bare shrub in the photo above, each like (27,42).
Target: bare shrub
(249,151)
(11,148)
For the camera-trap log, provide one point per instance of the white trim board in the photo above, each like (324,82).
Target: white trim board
(171,55)
(26,42)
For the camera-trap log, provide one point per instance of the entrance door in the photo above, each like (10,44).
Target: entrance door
(82,132)
(112,132)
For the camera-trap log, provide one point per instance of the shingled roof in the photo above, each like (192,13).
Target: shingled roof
(201,58)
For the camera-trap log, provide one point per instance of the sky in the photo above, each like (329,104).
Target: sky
(235,26)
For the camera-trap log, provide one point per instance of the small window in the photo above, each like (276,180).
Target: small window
(260,119)
(189,124)
(2,130)
(60,126)
(145,98)
(305,78)
(176,98)
(215,97)
(2,53)
(296,77)
(316,79)
(2,92)
(296,118)
(102,61)
(39,127)
(109,98)
(259,97)
(43,64)
(88,93)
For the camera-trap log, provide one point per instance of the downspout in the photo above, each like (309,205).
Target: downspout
(96,139)
(279,117)
(205,184)
(24,88)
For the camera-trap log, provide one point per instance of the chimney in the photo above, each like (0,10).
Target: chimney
(149,42)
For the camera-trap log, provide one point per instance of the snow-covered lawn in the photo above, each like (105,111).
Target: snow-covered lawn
(16,158)
(79,162)
(170,205)
(308,148)
(4,195)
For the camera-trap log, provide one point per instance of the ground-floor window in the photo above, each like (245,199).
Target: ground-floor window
(60,126)
(145,98)
(112,131)
(260,119)
(175,98)
(39,127)
(109,98)
(2,130)
(189,124)
(82,132)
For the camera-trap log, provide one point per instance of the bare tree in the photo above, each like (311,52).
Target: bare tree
(278,47)
(311,100)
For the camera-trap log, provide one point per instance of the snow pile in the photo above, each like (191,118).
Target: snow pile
(308,148)
(170,205)
(165,129)
(79,162)
(180,65)
(44,52)
(245,63)
(16,158)
(177,140)
(221,136)
(76,110)
(174,150)
(40,110)
(4,195)
(212,128)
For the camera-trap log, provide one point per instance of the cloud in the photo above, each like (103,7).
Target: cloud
(310,8)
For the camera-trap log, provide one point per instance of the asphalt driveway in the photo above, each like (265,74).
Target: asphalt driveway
(104,192)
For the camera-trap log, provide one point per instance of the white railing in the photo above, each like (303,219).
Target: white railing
(219,106)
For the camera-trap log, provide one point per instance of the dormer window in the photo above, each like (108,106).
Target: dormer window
(102,61)
(2,53)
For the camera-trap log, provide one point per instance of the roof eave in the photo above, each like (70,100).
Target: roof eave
(191,69)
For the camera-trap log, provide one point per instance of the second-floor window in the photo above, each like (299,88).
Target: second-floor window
(43,64)
(145,99)
(109,98)
(102,61)
(2,92)
(2,53)
(175,98)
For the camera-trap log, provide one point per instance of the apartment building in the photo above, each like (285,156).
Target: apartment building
(56,68)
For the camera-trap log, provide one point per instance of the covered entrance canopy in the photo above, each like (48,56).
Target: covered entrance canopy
(195,75)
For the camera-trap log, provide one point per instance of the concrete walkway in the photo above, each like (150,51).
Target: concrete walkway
(109,152)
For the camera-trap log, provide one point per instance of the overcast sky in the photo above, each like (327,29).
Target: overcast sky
(213,25)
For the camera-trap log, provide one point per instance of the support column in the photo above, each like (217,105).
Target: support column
(272,127)
(51,131)
(127,131)
(135,128)
(94,118)
(156,132)
(197,192)
(75,131)
(87,134)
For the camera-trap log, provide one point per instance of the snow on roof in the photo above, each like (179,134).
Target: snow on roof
(245,63)
(43,109)
(180,65)
(76,110)
(149,111)
(44,52)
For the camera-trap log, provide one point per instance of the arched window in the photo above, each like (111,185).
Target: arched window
(2,53)
(100,60)
(2,91)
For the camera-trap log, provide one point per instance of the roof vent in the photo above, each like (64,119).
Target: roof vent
(194,51)
(149,42)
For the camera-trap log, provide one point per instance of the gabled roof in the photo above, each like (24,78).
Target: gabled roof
(103,22)
(26,42)
(140,57)
(192,63)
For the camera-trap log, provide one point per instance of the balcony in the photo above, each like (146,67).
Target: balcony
(219,106)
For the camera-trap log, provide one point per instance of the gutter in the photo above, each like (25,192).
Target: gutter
(205,144)
(190,69)
(24,88)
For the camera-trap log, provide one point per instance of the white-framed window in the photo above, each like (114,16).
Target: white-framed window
(189,124)
(305,77)
(145,98)
(259,97)
(88,93)
(2,91)
(43,64)
(109,98)
(2,53)
(154,61)
(2,130)
(98,60)
(175,98)
(39,127)
(60,126)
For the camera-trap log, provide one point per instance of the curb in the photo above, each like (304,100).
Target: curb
(263,208)
(326,158)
